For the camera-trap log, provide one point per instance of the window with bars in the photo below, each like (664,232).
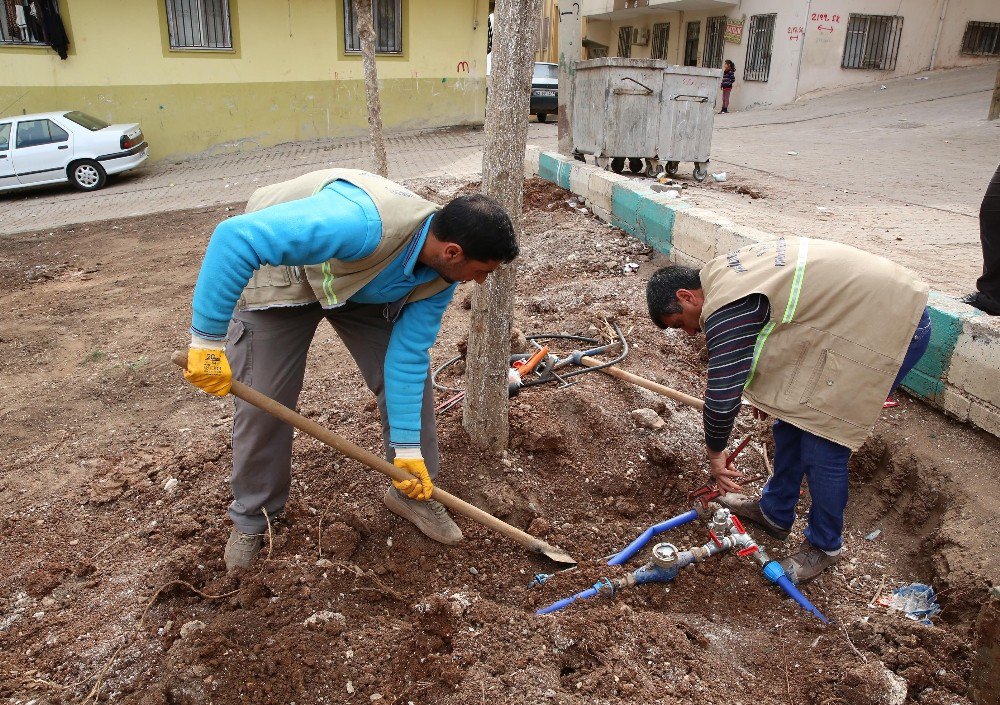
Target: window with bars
(872,42)
(387,16)
(982,39)
(760,40)
(625,42)
(711,56)
(661,33)
(199,25)
(18,25)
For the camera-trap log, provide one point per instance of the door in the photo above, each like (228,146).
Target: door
(7,177)
(691,44)
(42,150)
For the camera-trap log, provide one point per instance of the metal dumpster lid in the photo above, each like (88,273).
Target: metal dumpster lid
(618,62)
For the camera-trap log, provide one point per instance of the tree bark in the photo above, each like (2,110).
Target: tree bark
(515,34)
(366,31)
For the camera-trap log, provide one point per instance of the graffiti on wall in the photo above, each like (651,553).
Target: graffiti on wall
(824,22)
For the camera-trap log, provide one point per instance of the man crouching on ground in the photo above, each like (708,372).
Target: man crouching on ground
(380,265)
(816,334)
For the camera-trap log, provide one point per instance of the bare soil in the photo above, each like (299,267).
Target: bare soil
(114,483)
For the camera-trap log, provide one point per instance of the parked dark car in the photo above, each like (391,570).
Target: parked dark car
(544,90)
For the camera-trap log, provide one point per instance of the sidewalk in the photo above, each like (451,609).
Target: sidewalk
(170,186)
(900,171)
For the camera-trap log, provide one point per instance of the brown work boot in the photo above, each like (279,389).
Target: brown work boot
(808,562)
(749,510)
(429,516)
(241,549)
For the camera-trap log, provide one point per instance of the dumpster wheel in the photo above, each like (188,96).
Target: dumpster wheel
(671,168)
(700,171)
(618,165)
(635,165)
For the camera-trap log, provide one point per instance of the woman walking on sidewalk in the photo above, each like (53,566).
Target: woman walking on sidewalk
(728,79)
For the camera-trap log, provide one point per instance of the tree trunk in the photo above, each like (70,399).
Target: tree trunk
(366,31)
(515,34)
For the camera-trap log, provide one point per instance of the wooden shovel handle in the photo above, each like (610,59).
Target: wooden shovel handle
(646,384)
(352,450)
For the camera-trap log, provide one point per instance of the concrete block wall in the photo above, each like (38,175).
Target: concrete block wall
(960,373)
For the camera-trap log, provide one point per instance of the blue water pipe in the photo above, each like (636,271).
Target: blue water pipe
(602,585)
(776,574)
(649,533)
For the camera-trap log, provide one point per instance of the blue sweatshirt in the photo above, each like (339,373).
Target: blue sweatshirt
(340,222)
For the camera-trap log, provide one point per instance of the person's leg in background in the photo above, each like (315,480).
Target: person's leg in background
(725,99)
(987,296)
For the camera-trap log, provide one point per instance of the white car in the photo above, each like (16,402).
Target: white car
(49,148)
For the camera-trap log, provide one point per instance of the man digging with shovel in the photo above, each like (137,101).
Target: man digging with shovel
(814,333)
(380,264)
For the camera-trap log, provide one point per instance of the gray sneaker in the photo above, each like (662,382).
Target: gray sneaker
(429,516)
(749,510)
(241,549)
(808,562)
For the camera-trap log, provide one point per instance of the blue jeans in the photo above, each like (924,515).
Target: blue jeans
(823,463)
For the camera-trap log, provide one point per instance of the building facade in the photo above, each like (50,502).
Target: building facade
(784,49)
(223,75)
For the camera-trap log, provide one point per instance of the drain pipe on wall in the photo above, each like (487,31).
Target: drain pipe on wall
(802,50)
(937,36)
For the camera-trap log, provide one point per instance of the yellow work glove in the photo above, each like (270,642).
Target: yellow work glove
(409,459)
(208,368)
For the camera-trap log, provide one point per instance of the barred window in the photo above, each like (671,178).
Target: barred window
(388,21)
(712,55)
(661,33)
(872,42)
(759,46)
(18,25)
(982,39)
(625,42)
(199,24)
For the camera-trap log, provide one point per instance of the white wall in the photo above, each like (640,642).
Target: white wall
(809,38)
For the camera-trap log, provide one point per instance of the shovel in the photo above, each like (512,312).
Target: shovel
(351,450)
(646,384)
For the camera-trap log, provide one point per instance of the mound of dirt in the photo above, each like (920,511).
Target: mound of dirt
(116,490)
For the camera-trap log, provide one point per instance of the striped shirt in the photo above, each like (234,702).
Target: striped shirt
(730,334)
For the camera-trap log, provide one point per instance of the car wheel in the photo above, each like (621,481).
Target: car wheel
(87,175)
(541,116)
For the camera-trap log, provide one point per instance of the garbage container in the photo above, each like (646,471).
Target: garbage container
(616,107)
(687,114)
(630,110)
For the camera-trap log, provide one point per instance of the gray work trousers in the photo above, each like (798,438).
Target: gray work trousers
(267,351)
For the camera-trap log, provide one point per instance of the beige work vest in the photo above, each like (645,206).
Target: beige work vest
(333,282)
(841,322)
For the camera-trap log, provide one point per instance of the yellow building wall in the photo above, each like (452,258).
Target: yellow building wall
(287,77)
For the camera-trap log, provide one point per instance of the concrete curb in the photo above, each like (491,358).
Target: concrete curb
(960,373)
